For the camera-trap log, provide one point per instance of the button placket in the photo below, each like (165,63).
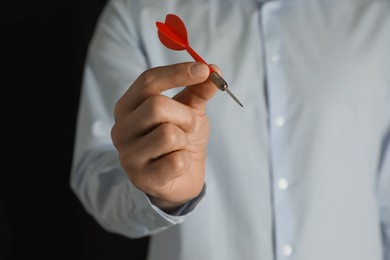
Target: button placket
(277,89)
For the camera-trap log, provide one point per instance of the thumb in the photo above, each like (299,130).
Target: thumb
(196,96)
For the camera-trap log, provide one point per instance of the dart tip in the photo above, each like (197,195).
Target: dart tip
(238,102)
(234,97)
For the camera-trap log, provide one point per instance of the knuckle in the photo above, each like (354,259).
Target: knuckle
(170,135)
(148,77)
(179,162)
(134,168)
(130,162)
(156,106)
(132,173)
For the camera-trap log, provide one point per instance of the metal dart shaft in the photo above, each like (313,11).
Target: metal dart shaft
(233,96)
(222,85)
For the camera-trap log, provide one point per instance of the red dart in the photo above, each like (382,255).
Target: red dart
(173,35)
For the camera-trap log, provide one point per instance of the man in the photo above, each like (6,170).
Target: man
(301,172)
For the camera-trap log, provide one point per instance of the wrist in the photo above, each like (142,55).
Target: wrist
(164,205)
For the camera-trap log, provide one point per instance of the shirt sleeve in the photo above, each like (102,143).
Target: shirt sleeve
(384,194)
(115,58)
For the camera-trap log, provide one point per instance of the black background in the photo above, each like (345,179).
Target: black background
(43,47)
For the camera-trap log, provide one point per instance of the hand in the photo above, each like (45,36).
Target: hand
(162,141)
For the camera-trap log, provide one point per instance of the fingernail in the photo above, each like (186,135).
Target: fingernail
(199,69)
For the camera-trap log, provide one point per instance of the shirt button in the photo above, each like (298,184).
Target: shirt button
(279,120)
(282,184)
(287,250)
(274,58)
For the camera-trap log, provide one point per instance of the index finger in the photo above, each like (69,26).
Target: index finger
(158,79)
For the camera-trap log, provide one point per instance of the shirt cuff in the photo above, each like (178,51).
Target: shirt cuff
(188,206)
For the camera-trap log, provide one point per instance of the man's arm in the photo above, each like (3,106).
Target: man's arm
(157,163)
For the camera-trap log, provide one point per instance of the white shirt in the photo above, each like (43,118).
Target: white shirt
(301,172)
